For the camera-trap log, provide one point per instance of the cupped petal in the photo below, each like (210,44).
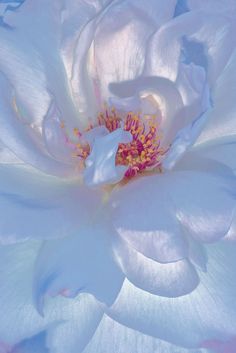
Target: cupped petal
(207,313)
(81,263)
(168,280)
(33,205)
(130,24)
(20,322)
(113,337)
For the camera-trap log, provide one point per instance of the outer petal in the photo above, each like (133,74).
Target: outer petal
(32,48)
(207,313)
(82,263)
(19,318)
(35,205)
(112,337)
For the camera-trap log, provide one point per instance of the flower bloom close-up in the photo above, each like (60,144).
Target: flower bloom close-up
(117,176)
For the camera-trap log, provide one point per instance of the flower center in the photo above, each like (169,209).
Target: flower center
(143,153)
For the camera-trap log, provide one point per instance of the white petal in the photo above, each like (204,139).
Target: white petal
(19,318)
(38,206)
(207,313)
(202,202)
(21,139)
(30,58)
(120,40)
(215,32)
(167,280)
(100,165)
(112,337)
(81,263)
(221,120)
(144,217)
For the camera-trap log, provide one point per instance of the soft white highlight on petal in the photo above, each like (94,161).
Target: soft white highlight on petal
(33,205)
(209,312)
(120,39)
(202,202)
(100,165)
(145,219)
(168,279)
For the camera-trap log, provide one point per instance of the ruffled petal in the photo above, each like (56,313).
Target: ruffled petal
(82,263)
(33,205)
(207,313)
(20,321)
(113,337)
(164,51)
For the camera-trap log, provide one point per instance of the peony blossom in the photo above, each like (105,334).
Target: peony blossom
(117,176)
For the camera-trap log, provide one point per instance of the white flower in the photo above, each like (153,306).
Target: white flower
(117,176)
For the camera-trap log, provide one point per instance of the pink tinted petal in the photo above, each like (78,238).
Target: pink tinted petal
(221,347)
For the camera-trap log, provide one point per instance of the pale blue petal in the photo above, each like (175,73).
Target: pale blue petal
(33,205)
(35,344)
(221,121)
(100,166)
(111,337)
(214,31)
(21,139)
(168,280)
(19,318)
(81,263)
(207,313)
(120,40)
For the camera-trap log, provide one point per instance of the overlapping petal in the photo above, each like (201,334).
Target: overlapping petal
(29,200)
(20,323)
(80,263)
(205,314)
